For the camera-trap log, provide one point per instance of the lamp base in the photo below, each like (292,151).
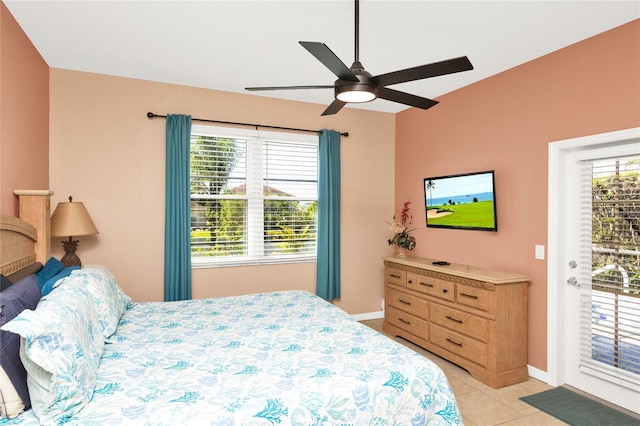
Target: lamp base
(70,258)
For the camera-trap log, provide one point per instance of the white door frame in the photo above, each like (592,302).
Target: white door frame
(556,263)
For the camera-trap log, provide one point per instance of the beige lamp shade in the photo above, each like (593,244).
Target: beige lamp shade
(72,219)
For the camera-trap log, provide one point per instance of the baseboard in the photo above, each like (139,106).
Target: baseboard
(368,316)
(538,374)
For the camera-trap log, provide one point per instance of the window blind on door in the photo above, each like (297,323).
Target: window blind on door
(610,230)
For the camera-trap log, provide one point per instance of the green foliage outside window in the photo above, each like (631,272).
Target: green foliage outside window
(219,206)
(616,226)
(290,227)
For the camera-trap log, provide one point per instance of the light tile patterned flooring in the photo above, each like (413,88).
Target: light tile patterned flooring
(482,405)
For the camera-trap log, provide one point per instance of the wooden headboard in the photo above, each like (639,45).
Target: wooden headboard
(17,244)
(26,240)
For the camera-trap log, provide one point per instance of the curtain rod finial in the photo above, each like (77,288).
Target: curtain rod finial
(150,115)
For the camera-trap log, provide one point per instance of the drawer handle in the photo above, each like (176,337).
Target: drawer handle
(404,321)
(409,281)
(404,301)
(394,276)
(471,296)
(454,319)
(426,284)
(454,342)
(444,290)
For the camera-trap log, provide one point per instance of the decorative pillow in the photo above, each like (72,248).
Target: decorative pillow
(110,301)
(50,269)
(51,282)
(22,295)
(10,402)
(61,347)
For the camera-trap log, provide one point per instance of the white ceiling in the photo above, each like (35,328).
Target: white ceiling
(229,45)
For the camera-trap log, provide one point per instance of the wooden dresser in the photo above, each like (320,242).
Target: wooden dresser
(474,317)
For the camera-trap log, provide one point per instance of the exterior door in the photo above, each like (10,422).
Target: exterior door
(595,345)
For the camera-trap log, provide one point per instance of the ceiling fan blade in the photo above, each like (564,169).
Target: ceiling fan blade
(405,98)
(255,89)
(435,69)
(329,60)
(334,107)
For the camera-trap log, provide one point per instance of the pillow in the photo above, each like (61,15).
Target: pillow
(50,269)
(50,283)
(125,301)
(10,402)
(60,348)
(22,295)
(110,301)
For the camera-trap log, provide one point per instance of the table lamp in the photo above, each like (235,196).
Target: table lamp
(71,219)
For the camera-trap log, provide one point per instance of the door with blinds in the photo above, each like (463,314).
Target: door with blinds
(601,277)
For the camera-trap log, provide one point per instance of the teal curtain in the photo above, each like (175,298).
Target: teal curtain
(177,250)
(328,239)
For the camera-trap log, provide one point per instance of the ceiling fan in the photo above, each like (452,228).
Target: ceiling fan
(356,85)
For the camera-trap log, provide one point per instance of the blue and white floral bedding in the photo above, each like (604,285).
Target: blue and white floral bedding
(285,358)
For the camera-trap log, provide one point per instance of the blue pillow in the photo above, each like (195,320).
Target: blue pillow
(52,268)
(48,285)
(25,294)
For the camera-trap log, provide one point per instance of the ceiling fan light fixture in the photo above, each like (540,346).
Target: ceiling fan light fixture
(357,85)
(356,93)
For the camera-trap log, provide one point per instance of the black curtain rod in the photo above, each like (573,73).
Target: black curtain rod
(152,115)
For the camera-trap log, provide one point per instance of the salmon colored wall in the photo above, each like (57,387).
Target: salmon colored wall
(24,114)
(106,153)
(505,123)
(109,155)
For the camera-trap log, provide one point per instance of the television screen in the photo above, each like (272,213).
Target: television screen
(465,201)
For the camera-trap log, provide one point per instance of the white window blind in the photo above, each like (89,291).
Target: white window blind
(610,348)
(253,196)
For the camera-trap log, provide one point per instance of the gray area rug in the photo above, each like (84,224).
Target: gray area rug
(577,410)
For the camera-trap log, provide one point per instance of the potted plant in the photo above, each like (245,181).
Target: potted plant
(402,238)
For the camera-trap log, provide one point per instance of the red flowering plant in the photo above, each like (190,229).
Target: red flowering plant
(401,238)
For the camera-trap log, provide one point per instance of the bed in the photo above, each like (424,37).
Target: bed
(93,357)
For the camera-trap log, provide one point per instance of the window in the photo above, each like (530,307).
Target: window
(616,262)
(254,196)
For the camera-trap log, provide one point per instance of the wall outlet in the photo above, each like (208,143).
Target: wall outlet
(382,304)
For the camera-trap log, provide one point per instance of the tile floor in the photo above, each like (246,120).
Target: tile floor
(482,405)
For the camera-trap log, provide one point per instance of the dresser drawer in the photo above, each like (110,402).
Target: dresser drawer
(473,296)
(407,322)
(406,302)
(433,287)
(395,276)
(411,280)
(459,344)
(475,317)
(461,322)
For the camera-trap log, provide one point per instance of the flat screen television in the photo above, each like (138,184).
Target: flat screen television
(463,201)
